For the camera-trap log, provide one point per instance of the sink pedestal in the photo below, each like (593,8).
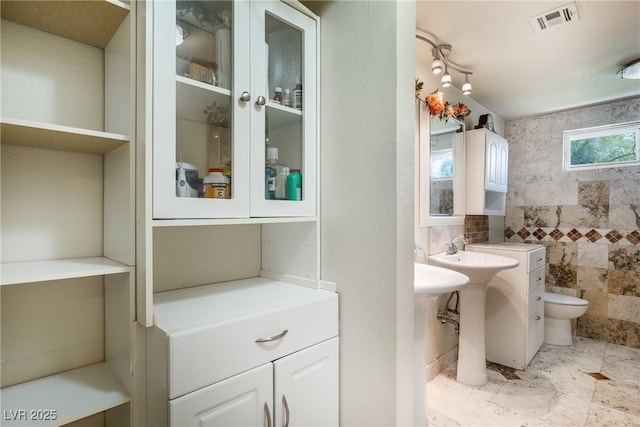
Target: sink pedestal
(420,319)
(472,364)
(480,268)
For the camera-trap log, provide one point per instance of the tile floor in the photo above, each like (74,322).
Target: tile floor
(559,388)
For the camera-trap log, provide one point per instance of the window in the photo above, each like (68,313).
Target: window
(602,146)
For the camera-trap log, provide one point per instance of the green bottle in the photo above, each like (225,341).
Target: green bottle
(294,185)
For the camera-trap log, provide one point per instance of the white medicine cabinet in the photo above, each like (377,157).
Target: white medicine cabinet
(216,68)
(487,156)
(68,258)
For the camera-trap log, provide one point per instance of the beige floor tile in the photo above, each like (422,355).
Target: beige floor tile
(554,391)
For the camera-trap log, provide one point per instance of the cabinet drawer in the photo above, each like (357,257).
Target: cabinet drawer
(536,259)
(535,332)
(536,280)
(536,298)
(199,357)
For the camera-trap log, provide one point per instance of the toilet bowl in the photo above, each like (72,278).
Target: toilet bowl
(559,310)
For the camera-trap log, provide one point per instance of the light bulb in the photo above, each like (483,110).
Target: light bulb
(436,66)
(446,79)
(466,87)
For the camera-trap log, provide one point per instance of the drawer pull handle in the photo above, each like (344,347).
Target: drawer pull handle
(538,298)
(273,338)
(539,259)
(286,411)
(537,317)
(267,414)
(538,279)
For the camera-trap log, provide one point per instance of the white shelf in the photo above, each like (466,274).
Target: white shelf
(193,96)
(56,137)
(90,22)
(39,271)
(281,116)
(229,221)
(73,395)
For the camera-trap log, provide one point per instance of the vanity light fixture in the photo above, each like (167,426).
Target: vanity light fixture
(446,78)
(436,66)
(631,70)
(439,53)
(466,87)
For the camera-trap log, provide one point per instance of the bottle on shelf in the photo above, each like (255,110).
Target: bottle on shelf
(297,95)
(273,169)
(281,183)
(277,98)
(294,185)
(286,98)
(216,184)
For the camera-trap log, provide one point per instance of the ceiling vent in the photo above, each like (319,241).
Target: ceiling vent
(554,17)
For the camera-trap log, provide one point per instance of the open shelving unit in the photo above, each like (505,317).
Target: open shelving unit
(68,257)
(74,394)
(16,273)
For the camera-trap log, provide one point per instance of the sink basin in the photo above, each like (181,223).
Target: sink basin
(429,280)
(480,267)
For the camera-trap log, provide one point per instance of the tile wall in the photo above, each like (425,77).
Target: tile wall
(589,221)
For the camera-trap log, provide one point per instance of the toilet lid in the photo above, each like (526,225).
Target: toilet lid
(564,299)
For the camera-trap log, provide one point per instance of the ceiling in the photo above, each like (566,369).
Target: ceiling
(518,72)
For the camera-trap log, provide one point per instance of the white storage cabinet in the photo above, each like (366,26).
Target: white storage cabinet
(515,304)
(487,166)
(233,57)
(261,350)
(67,212)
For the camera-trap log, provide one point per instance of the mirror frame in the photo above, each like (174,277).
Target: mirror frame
(424,178)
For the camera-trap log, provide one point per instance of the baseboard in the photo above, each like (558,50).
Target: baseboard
(441,363)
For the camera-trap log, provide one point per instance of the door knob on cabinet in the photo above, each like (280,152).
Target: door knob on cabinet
(245,97)
(261,100)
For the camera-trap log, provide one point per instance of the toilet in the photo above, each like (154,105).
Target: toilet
(559,310)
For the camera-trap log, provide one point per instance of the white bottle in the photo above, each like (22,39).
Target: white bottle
(286,98)
(281,183)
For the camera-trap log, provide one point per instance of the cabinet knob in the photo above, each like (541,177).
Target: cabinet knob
(538,298)
(261,100)
(537,317)
(245,97)
(539,259)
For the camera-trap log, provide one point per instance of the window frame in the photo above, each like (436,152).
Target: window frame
(569,136)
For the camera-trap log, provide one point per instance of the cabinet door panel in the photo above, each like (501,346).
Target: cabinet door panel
(306,386)
(236,401)
(196,122)
(283,43)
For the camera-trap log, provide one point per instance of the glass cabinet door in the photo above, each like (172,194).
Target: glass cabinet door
(283,129)
(199,169)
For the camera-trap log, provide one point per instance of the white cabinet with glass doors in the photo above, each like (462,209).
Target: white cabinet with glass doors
(216,68)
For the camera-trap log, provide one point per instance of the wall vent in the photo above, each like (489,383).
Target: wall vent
(554,17)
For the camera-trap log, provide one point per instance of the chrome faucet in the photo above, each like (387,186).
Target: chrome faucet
(452,248)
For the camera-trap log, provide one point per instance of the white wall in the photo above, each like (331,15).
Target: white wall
(367,75)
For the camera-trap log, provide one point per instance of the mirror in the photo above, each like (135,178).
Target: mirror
(441,168)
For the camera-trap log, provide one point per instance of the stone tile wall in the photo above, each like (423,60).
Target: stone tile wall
(589,221)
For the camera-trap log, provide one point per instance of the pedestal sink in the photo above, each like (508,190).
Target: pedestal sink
(480,268)
(429,282)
